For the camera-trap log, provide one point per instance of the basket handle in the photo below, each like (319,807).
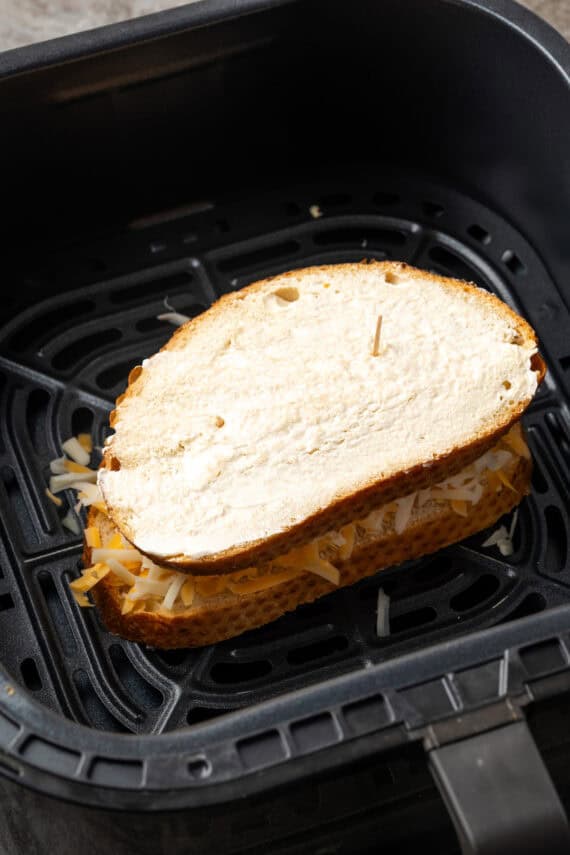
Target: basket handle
(499,794)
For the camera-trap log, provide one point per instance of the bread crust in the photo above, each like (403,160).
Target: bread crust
(361,502)
(233,614)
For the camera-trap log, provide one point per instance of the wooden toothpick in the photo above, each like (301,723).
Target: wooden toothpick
(376,346)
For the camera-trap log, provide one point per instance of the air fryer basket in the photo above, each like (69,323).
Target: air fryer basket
(183,156)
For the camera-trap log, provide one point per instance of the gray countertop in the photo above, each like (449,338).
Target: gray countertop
(26,21)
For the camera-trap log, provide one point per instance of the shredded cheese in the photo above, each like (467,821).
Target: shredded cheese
(70,522)
(146,586)
(75,450)
(382,614)
(57,466)
(72,466)
(404,512)
(85,441)
(55,499)
(92,536)
(174,318)
(348,532)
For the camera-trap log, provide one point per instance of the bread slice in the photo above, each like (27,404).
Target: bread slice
(272,418)
(431,525)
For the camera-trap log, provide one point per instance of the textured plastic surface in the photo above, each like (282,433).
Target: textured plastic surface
(149,188)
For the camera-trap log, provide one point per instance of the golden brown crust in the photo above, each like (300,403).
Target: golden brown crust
(362,502)
(233,614)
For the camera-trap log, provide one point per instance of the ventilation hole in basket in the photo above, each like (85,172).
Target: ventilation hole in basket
(222,226)
(82,421)
(539,482)
(412,620)
(148,325)
(479,234)
(513,262)
(6,602)
(196,715)
(147,696)
(139,291)
(239,672)
(95,711)
(374,237)
(452,264)
(532,604)
(59,621)
(199,768)
(428,575)
(28,336)
(480,591)
(317,609)
(36,419)
(565,363)
(191,237)
(30,675)
(334,200)
(258,256)
(556,541)
(317,650)
(118,373)
(432,209)
(83,347)
(173,657)
(288,294)
(263,749)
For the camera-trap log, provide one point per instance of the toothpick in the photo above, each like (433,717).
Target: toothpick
(376,346)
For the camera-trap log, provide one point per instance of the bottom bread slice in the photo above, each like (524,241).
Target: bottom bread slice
(228,614)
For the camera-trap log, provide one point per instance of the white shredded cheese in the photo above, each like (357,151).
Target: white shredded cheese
(57,466)
(102,554)
(57,483)
(91,492)
(120,571)
(404,512)
(71,522)
(382,614)
(75,450)
(315,212)
(173,591)
(503,539)
(325,569)
(145,587)
(174,318)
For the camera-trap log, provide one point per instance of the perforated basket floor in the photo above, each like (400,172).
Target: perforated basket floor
(65,358)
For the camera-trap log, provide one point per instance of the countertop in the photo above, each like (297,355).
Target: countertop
(24,22)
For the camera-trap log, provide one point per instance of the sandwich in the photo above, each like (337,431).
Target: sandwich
(305,432)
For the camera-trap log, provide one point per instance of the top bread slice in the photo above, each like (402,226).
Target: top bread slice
(272,418)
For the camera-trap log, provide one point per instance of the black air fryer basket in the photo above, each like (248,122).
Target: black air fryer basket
(181,156)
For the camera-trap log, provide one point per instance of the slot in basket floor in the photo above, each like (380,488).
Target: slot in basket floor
(66,357)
